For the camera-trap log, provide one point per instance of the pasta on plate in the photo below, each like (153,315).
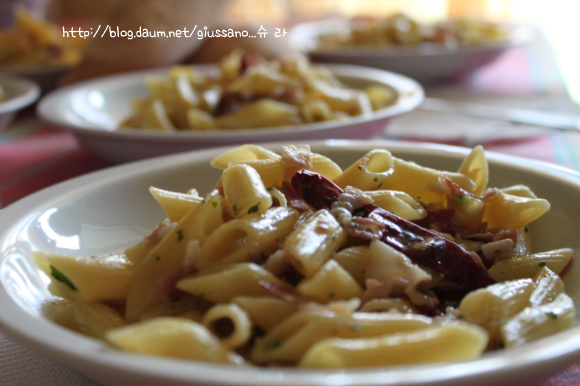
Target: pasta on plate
(35,42)
(292,260)
(250,92)
(401,31)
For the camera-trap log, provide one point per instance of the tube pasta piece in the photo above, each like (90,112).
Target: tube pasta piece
(197,119)
(538,322)
(294,159)
(244,191)
(418,181)
(270,171)
(243,279)
(266,311)
(475,167)
(138,252)
(263,113)
(153,116)
(310,245)
(240,240)
(528,266)
(396,273)
(523,245)
(89,318)
(330,283)
(390,304)
(268,164)
(288,341)
(263,80)
(352,102)
(174,338)
(354,261)
(86,278)
(230,323)
(380,96)
(504,210)
(400,203)
(519,191)
(231,65)
(547,286)
(369,172)
(494,305)
(325,166)
(434,344)
(243,153)
(316,110)
(175,204)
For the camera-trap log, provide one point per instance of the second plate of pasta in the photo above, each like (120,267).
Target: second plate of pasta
(132,116)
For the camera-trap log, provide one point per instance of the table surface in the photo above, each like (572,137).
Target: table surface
(35,155)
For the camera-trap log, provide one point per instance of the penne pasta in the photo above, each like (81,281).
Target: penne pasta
(440,343)
(87,279)
(310,245)
(293,260)
(244,279)
(172,337)
(538,322)
(230,323)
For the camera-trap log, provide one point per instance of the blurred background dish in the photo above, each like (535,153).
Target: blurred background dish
(112,209)
(93,111)
(425,56)
(33,47)
(15,94)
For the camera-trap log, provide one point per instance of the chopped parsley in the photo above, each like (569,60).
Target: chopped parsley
(59,276)
(276,344)
(179,235)
(214,204)
(552,315)
(254,209)
(542,263)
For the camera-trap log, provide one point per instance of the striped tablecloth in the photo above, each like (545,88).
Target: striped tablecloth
(34,155)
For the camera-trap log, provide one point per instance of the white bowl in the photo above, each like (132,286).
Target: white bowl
(108,210)
(92,110)
(18,94)
(430,63)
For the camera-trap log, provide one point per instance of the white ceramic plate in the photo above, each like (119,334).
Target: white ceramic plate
(428,64)
(92,111)
(18,94)
(108,210)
